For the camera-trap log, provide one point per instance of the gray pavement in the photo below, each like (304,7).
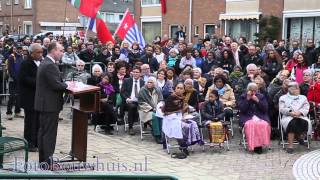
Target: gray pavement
(147,157)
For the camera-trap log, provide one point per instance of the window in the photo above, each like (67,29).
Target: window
(150,2)
(172,30)
(151,30)
(8,2)
(0,5)
(27,4)
(196,30)
(113,17)
(27,27)
(245,28)
(16,2)
(209,29)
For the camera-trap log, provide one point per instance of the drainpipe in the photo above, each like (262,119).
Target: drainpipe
(190,20)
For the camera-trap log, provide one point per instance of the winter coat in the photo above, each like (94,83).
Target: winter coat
(289,103)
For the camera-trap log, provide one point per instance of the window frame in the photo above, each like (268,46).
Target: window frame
(204,28)
(25,4)
(150,5)
(196,30)
(25,23)
(170,29)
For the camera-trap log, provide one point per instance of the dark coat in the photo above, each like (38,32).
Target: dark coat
(94,80)
(249,59)
(193,100)
(86,55)
(152,61)
(49,88)
(211,111)
(27,83)
(127,87)
(103,58)
(250,108)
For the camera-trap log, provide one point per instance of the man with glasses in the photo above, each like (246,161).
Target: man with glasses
(88,54)
(80,74)
(129,92)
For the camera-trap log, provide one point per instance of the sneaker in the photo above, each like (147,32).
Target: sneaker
(18,115)
(9,116)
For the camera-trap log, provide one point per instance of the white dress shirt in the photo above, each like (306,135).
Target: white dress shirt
(132,96)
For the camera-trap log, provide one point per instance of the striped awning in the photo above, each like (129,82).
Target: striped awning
(239,16)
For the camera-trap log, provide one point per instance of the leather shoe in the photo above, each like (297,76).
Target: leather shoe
(33,149)
(131,132)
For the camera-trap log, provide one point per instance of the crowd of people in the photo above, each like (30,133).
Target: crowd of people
(174,87)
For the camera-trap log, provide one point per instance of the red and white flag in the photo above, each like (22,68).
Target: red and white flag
(128,30)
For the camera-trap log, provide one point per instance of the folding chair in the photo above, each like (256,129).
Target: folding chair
(283,142)
(210,144)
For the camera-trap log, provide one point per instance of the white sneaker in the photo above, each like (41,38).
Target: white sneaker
(9,116)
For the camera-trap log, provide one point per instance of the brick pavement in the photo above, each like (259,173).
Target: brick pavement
(210,164)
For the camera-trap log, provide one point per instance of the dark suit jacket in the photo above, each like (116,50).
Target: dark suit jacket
(27,83)
(127,87)
(50,88)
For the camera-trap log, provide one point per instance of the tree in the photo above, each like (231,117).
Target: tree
(270,28)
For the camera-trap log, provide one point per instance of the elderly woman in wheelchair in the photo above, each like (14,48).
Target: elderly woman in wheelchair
(254,118)
(294,109)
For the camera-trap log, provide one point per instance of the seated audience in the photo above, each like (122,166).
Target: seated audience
(294,109)
(148,98)
(254,118)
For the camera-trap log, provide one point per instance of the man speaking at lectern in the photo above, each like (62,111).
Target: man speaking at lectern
(49,101)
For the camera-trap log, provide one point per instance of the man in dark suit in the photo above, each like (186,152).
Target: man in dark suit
(129,92)
(27,83)
(49,101)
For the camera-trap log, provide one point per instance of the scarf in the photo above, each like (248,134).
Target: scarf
(188,95)
(221,91)
(107,88)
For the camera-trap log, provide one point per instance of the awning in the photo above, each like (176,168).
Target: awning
(59,24)
(239,16)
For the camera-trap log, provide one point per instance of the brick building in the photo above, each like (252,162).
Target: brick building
(58,16)
(32,17)
(204,17)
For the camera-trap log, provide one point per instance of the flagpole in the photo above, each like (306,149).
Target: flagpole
(85,35)
(65,17)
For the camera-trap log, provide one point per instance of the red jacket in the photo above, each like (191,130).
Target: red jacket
(290,64)
(314,93)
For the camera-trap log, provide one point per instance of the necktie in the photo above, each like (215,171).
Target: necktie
(136,89)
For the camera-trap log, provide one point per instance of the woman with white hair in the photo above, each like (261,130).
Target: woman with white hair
(191,94)
(148,98)
(254,118)
(294,109)
(95,79)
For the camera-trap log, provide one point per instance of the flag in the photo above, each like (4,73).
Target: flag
(163,6)
(98,26)
(87,7)
(128,30)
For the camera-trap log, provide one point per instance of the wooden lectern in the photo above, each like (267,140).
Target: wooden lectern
(89,103)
